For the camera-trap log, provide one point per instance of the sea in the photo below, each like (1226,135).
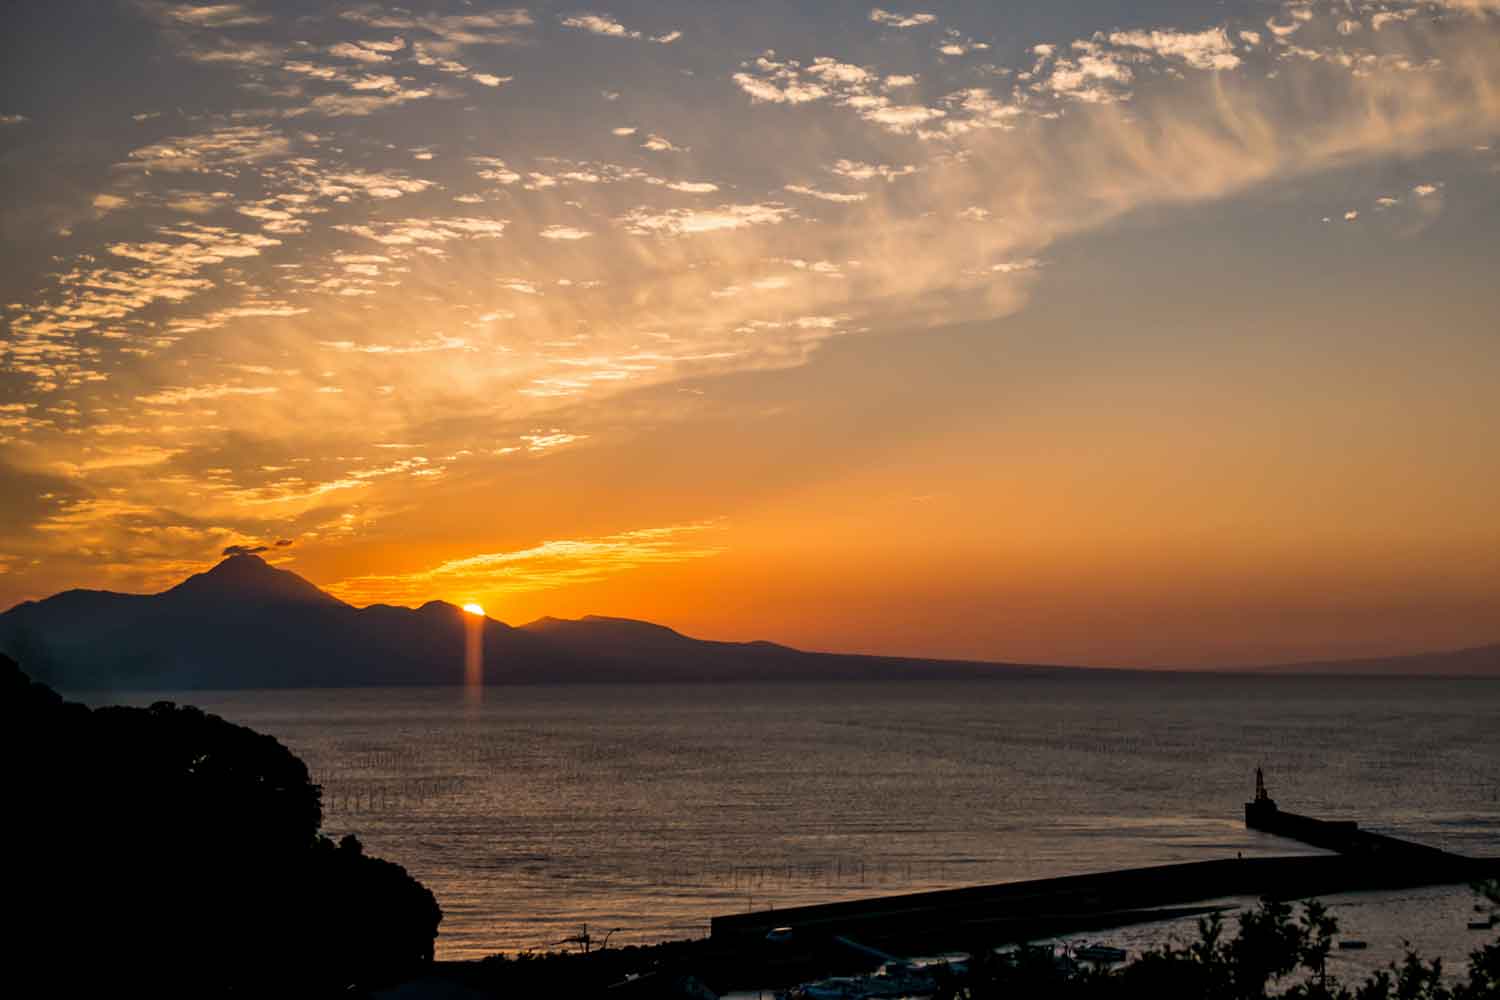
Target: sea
(639,812)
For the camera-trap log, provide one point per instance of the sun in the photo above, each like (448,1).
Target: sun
(474,609)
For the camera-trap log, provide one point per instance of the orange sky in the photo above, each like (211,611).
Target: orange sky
(1046,337)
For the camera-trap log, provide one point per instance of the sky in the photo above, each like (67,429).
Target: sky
(1139,334)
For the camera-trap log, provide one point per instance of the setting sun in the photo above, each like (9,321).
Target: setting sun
(474,609)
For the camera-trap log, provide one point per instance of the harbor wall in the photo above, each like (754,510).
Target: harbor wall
(1019,910)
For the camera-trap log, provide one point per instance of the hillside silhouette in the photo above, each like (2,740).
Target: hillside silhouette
(1477,661)
(247,624)
(163,851)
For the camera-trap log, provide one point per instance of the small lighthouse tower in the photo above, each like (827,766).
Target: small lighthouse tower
(1261,812)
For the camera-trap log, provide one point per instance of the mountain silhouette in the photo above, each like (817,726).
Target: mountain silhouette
(247,624)
(1476,661)
(247,577)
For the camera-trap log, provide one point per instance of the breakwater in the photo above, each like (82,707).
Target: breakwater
(1023,910)
(1346,837)
(1041,907)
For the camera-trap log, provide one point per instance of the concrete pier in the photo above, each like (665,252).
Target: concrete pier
(1025,910)
(1345,836)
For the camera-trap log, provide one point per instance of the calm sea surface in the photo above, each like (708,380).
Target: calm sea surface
(650,809)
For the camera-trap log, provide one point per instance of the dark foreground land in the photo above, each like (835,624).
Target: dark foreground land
(782,948)
(1272,951)
(166,852)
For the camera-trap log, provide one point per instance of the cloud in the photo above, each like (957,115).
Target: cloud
(687,221)
(547,565)
(411,232)
(899,117)
(214,15)
(105,202)
(494,169)
(221,150)
(1087,78)
(565,233)
(547,440)
(658,144)
(827,195)
(128,278)
(779,93)
(361,105)
(691,187)
(193,394)
(382,186)
(448,32)
(245,550)
(891,20)
(360,53)
(858,171)
(833,71)
(603,24)
(769,80)
(440,342)
(1209,49)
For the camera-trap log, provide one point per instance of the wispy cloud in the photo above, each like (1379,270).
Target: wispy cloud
(834,196)
(212,15)
(220,150)
(190,394)
(447,33)
(545,566)
(569,233)
(891,20)
(689,221)
(1209,49)
(604,24)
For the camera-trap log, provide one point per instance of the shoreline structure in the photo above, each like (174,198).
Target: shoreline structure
(1042,907)
(781,948)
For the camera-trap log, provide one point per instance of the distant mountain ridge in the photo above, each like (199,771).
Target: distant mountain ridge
(1475,661)
(247,624)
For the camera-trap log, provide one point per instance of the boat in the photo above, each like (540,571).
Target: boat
(1101,954)
(1353,944)
(1482,925)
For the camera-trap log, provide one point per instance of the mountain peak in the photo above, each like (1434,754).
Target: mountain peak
(246,576)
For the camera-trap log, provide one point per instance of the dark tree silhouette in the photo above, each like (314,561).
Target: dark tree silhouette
(1271,955)
(168,850)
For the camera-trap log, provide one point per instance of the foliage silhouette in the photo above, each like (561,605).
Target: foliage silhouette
(1272,955)
(168,849)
